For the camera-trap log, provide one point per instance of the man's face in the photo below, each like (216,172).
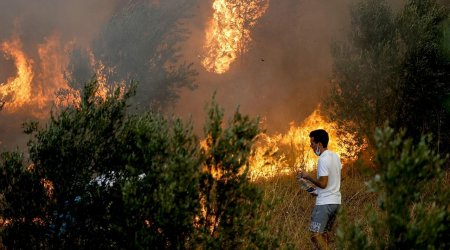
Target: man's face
(313,145)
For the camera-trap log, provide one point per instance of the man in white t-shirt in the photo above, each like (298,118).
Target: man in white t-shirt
(328,184)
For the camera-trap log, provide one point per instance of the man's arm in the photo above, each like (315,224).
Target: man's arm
(322,182)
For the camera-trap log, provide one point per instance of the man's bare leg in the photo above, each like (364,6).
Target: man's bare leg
(320,241)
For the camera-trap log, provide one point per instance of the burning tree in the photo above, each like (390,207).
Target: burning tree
(140,43)
(228,34)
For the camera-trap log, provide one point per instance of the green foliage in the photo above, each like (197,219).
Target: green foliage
(163,188)
(23,197)
(393,69)
(362,69)
(229,201)
(424,71)
(121,180)
(413,199)
(445,42)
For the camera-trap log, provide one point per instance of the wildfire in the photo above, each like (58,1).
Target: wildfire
(36,83)
(284,154)
(72,97)
(53,61)
(16,91)
(287,153)
(100,69)
(229,31)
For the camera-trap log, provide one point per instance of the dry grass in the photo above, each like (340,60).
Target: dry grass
(289,208)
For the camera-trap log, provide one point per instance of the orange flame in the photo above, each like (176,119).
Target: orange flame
(284,154)
(290,152)
(16,91)
(72,97)
(53,62)
(37,94)
(100,69)
(229,31)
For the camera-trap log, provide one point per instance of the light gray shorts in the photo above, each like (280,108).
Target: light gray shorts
(323,217)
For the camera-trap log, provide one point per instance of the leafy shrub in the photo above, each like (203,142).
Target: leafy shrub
(120,180)
(412,210)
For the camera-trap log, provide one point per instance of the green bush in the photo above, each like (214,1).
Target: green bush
(393,68)
(413,211)
(229,201)
(121,180)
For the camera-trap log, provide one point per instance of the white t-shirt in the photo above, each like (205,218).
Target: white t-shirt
(329,165)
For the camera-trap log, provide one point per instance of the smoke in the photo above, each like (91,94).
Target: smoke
(35,20)
(66,42)
(141,43)
(45,30)
(282,77)
(285,74)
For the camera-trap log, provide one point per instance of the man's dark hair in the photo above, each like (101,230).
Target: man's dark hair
(320,135)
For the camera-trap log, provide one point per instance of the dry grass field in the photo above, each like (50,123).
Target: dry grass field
(289,208)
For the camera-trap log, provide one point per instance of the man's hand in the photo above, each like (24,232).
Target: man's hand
(322,182)
(304,175)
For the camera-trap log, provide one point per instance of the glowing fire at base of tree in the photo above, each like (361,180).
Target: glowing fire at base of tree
(290,152)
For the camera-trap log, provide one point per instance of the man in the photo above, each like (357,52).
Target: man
(328,184)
